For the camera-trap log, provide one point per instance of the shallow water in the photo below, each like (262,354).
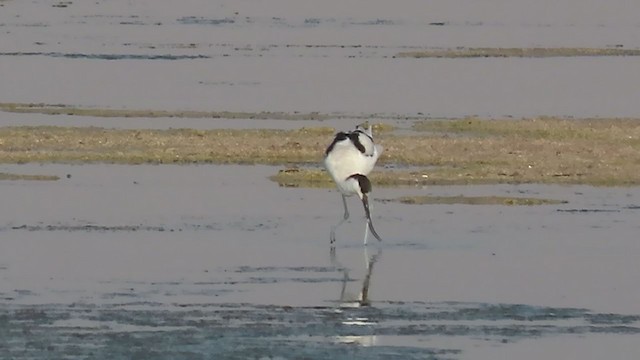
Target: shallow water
(332,56)
(201,261)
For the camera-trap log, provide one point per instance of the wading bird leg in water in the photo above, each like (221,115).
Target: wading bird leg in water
(344,218)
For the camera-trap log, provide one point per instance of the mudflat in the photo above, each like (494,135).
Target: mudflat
(465,151)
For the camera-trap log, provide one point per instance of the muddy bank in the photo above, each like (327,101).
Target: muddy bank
(463,151)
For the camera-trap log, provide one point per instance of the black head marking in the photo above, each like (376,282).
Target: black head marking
(341,136)
(363,181)
(363,133)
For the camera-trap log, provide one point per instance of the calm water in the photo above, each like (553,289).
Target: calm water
(180,262)
(329,56)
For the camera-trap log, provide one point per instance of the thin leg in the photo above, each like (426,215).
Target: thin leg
(366,232)
(332,236)
(369,224)
(346,211)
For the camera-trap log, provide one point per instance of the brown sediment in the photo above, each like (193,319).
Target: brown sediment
(10,176)
(461,151)
(47,144)
(541,150)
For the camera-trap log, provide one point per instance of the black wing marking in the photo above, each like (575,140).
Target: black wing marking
(355,139)
(364,133)
(352,136)
(341,136)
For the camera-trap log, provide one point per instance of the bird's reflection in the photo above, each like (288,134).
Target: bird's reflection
(346,299)
(350,301)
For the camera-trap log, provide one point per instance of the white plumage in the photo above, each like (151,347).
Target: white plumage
(349,159)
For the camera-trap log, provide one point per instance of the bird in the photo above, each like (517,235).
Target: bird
(349,159)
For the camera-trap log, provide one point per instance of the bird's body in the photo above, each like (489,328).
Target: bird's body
(351,153)
(349,159)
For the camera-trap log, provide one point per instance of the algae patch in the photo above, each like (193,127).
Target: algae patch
(517,52)
(603,152)
(49,144)
(10,176)
(319,178)
(73,110)
(62,109)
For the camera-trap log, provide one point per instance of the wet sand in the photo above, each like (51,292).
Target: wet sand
(217,260)
(199,262)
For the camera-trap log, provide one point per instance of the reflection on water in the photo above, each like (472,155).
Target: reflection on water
(219,286)
(367,340)
(350,300)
